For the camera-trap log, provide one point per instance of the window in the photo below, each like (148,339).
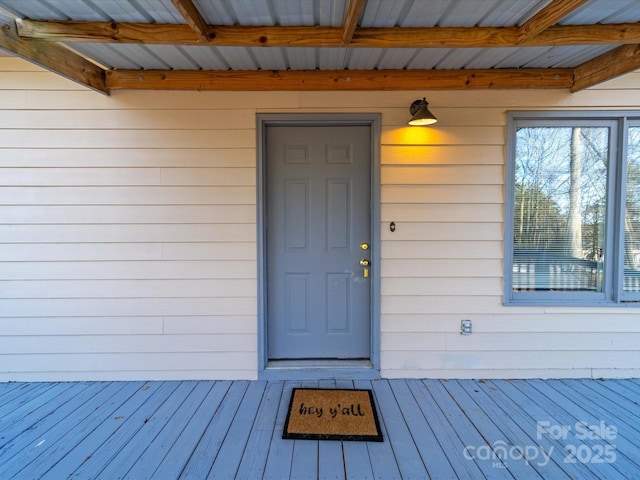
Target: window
(573,209)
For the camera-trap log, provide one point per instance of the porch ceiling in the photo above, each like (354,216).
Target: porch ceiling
(326,44)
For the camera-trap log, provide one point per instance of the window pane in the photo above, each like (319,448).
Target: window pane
(560,206)
(632,218)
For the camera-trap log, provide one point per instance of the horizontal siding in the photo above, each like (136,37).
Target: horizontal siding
(128,270)
(147,365)
(521,321)
(93,344)
(80,214)
(130,120)
(443,187)
(128,195)
(434,194)
(455,155)
(445,135)
(443,249)
(119,306)
(216,288)
(97,233)
(128,235)
(105,138)
(43,252)
(444,231)
(508,342)
(149,325)
(546,361)
(115,157)
(466,213)
(439,175)
(425,286)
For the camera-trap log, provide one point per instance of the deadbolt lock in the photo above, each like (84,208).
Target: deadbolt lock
(364,246)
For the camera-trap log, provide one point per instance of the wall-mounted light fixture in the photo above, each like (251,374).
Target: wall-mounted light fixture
(421,114)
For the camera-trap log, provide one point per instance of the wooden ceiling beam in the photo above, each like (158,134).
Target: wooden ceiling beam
(339,80)
(545,18)
(612,64)
(55,58)
(264,36)
(194,19)
(176,34)
(351,20)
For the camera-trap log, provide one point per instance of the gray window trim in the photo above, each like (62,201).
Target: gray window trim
(613,295)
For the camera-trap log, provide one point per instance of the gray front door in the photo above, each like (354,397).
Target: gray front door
(318,215)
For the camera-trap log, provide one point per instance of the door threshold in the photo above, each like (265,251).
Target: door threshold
(319,369)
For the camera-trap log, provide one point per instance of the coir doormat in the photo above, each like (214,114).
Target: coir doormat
(332,414)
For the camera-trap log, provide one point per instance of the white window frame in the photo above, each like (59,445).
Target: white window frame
(613,294)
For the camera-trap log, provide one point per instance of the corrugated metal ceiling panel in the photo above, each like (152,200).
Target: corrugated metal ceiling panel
(301,58)
(328,13)
(377,13)
(604,11)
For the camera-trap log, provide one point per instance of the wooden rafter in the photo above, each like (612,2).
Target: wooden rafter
(622,60)
(351,21)
(547,17)
(250,36)
(55,58)
(193,18)
(339,80)
(36,41)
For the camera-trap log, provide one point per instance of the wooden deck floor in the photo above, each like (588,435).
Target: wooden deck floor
(553,429)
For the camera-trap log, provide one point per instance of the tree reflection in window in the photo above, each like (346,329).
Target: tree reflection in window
(560,208)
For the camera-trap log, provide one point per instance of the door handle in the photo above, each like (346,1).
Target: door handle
(365,263)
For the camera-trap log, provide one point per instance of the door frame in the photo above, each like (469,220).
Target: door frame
(305,369)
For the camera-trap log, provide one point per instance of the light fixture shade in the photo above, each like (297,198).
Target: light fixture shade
(421,114)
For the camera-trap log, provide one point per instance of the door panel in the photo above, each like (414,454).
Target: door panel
(318,214)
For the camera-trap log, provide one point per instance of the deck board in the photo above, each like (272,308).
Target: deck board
(355,455)
(234,445)
(529,413)
(55,435)
(381,454)
(603,408)
(512,421)
(468,434)
(408,458)
(447,437)
(254,458)
(20,439)
(574,407)
(35,406)
(158,448)
(617,405)
(186,441)
(100,426)
(233,429)
(489,430)
(433,455)
(15,393)
(126,429)
(146,433)
(207,450)
(563,416)
(280,452)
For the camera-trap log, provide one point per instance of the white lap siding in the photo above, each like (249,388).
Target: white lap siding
(128,235)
